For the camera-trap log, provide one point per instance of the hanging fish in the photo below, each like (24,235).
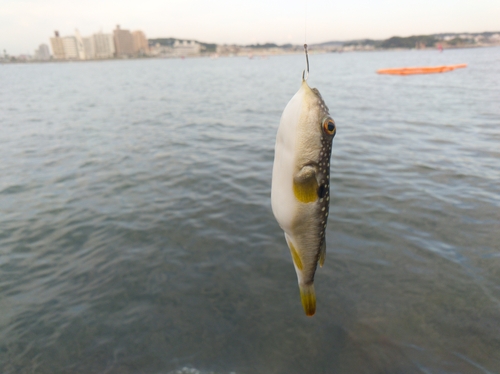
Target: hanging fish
(300,193)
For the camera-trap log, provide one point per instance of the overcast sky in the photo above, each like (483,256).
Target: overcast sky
(24,24)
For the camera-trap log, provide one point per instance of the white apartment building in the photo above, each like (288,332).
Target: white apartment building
(89,47)
(186,48)
(104,45)
(64,48)
(70,48)
(79,46)
(57,46)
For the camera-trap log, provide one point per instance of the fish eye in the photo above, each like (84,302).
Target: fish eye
(329,126)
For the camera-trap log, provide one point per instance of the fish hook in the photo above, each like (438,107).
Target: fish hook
(304,75)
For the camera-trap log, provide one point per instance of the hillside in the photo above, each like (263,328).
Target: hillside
(420,41)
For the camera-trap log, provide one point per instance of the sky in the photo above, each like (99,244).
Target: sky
(25,24)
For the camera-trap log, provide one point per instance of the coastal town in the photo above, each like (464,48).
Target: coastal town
(125,44)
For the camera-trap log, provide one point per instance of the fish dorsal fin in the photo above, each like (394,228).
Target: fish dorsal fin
(322,253)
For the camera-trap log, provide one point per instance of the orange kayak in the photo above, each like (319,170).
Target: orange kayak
(421,69)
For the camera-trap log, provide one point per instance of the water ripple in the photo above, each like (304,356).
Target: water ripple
(137,234)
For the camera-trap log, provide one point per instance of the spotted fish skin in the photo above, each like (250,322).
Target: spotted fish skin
(300,192)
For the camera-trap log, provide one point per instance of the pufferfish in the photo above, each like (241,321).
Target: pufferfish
(300,193)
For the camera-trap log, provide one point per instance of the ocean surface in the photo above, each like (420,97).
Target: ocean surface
(136,231)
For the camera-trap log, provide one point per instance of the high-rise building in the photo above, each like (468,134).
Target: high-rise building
(57,46)
(89,47)
(42,53)
(141,46)
(104,45)
(79,46)
(124,42)
(70,48)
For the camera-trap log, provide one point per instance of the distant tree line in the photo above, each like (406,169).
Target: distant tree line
(396,42)
(460,41)
(361,42)
(408,42)
(416,41)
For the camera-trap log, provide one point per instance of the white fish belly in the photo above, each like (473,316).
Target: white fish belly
(283,201)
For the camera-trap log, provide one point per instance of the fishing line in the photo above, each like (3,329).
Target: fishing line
(305,73)
(305,22)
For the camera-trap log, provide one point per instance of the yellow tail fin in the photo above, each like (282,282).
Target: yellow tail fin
(308,298)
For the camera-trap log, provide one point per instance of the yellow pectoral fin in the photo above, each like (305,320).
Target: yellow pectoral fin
(306,191)
(308,298)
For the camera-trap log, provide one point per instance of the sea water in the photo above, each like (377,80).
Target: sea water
(136,232)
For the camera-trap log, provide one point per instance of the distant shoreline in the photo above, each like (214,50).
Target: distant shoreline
(171,47)
(254,53)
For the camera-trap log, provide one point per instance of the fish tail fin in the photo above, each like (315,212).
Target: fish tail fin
(308,298)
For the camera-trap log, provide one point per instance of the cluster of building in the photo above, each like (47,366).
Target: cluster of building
(180,48)
(261,51)
(479,39)
(122,43)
